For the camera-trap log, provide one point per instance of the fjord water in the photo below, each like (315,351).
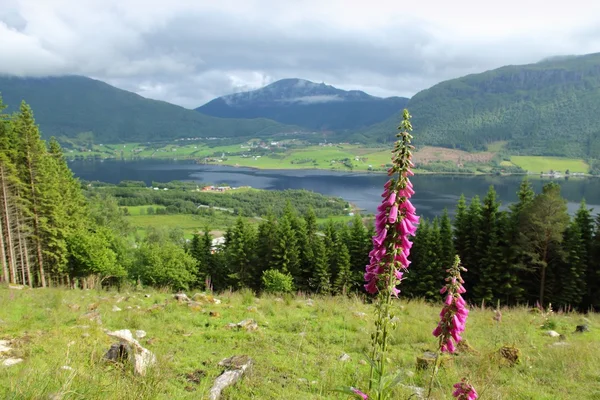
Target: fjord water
(433,192)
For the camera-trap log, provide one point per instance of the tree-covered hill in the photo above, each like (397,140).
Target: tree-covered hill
(69,105)
(548,108)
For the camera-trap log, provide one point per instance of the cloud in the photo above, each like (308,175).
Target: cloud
(188,52)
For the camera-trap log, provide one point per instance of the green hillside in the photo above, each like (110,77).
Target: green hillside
(74,104)
(548,108)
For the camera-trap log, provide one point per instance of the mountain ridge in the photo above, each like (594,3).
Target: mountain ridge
(315,106)
(545,108)
(62,108)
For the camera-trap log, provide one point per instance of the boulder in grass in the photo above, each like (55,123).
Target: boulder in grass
(141,357)
(235,368)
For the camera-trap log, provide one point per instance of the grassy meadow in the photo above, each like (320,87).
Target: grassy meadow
(296,349)
(537,164)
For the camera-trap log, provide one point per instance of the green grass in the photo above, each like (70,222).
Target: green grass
(496,146)
(188,223)
(539,164)
(295,350)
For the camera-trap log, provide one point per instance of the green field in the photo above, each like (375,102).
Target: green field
(538,164)
(296,349)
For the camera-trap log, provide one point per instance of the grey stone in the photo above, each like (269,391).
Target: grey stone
(236,367)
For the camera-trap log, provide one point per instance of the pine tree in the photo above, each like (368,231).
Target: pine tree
(542,226)
(489,260)
(461,228)
(321,280)
(286,255)
(32,172)
(448,253)
(584,224)
(240,248)
(516,275)
(593,275)
(571,269)
(343,280)
(471,258)
(357,243)
(267,234)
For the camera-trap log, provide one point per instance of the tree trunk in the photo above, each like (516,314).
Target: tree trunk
(7,225)
(4,277)
(28,268)
(36,225)
(544,266)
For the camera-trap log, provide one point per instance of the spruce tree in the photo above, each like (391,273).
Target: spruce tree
(240,248)
(357,243)
(543,223)
(571,271)
(33,172)
(265,246)
(343,279)
(471,258)
(461,228)
(448,253)
(321,280)
(286,255)
(584,224)
(489,255)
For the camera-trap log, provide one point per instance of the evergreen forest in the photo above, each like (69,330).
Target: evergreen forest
(56,233)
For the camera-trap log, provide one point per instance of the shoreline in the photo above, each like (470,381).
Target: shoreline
(346,171)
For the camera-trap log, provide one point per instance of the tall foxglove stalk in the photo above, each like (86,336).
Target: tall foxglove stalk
(395,223)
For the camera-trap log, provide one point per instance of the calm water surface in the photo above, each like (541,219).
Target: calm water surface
(433,192)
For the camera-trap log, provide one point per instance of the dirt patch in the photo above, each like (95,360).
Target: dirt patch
(428,154)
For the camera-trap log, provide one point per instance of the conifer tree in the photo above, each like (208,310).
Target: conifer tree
(33,173)
(571,285)
(490,256)
(343,279)
(461,228)
(267,241)
(286,255)
(448,253)
(321,280)
(241,254)
(543,223)
(471,241)
(584,224)
(359,245)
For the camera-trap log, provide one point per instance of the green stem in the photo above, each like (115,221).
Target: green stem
(433,373)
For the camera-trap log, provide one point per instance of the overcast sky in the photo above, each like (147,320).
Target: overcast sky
(188,52)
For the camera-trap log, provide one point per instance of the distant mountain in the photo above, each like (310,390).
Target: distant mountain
(548,108)
(315,106)
(70,105)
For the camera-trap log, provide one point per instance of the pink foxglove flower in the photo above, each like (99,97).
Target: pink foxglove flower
(396,221)
(359,393)
(454,313)
(464,391)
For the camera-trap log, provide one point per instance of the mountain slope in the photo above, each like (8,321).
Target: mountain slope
(307,104)
(70,105)
(548,108)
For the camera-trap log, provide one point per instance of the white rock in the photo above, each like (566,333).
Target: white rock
(344,357)
(140,334)
(115,309)
(9,362)
(66,368)
(4,346)
(237,366)
(143,358)
(553,334)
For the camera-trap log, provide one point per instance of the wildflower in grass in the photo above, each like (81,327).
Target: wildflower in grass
(464,391)
(359,393)
(395,222)
(454,313)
